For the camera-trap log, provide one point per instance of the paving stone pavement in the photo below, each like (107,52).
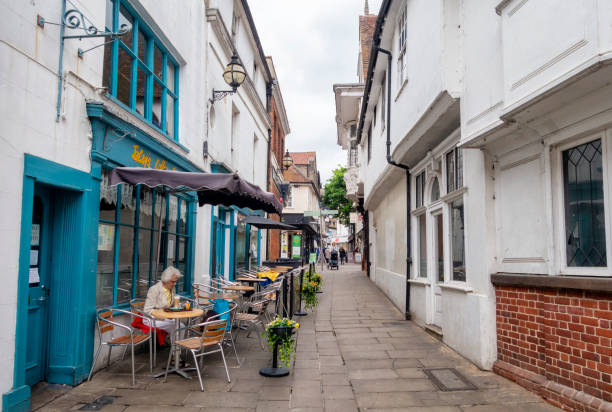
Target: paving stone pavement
(354,353)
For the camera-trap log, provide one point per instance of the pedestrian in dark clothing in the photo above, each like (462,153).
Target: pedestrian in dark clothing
(342,255)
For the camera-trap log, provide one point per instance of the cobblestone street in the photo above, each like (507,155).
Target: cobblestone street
(353,354)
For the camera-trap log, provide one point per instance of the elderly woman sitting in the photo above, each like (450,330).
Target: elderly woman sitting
(161,295)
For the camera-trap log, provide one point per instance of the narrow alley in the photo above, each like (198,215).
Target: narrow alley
(354,353)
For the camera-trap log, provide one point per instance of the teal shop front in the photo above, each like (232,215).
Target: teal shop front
(84,245)
(244,239)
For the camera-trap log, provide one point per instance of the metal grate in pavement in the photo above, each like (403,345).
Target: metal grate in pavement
(398,323)
(449,379)
(98,404)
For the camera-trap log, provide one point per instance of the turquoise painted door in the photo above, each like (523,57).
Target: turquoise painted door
(40,279)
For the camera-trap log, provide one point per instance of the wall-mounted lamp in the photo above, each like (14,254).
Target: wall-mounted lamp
(233,75)
(287,160)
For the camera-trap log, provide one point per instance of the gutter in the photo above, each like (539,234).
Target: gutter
(382,16)
(262,56)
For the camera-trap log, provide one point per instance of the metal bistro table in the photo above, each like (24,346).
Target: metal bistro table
(177,316)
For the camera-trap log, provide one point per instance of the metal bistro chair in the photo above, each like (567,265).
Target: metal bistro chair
(212,337)
(229,338)
(253,314)
(137,307)
(105,324)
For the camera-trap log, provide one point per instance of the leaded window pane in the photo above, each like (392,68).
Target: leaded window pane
(585,235)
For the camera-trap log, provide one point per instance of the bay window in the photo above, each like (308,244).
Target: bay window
(139,72)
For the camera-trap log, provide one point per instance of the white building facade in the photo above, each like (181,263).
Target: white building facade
(487,199)
(71,243)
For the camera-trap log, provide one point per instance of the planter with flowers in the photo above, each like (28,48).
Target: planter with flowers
(279,335)
(316,278)
(309,294)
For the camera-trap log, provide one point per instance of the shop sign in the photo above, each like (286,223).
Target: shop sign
(353,217)
(284,246)
(144,159)
(296,249)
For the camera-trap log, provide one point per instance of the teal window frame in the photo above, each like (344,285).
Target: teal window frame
(187,234)
(146,67)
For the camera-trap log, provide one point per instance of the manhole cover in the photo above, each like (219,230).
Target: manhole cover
(98,404)
(449,379)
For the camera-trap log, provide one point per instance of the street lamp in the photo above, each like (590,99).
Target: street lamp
(233,75)
(287,160)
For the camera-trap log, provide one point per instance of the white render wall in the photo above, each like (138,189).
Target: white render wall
(389,221)
(28,89)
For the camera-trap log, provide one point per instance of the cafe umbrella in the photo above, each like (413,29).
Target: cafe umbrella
(211,188)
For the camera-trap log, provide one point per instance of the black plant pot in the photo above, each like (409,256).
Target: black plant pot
(283,332)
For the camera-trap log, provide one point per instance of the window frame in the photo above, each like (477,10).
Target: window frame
(402,30)
(558,190)
(153,233)
(137,66)
(456,160)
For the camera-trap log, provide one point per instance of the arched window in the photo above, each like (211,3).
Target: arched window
(435,190)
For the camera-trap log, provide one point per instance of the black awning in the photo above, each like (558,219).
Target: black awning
(265,223)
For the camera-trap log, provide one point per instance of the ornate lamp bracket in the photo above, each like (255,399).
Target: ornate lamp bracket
(220,94)
(74,19)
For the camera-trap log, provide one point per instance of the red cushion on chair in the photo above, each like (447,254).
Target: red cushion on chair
(161,334)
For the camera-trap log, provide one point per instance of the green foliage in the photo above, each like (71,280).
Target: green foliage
(309,293)
(286,344)
(335,195)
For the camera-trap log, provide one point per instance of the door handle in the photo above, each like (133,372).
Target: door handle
(42,299)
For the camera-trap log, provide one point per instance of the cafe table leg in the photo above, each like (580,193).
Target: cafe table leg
(177,354)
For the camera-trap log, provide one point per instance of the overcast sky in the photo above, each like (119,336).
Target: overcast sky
(314,44)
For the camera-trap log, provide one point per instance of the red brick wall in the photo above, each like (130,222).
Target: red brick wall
(563,335)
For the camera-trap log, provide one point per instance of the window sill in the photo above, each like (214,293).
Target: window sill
(458,287)
(420,281)
(141,122)
(454,194)
(400,89)
(545,281)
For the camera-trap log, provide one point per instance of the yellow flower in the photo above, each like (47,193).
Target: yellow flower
(297,325)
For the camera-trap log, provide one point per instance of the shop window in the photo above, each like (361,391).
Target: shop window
(457,240)
(128,234)
(241,240)
(139,72)
(585,236)
(253,242)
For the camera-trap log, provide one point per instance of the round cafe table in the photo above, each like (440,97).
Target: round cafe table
(177,316)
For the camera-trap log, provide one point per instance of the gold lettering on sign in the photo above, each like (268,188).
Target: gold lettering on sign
(144,159)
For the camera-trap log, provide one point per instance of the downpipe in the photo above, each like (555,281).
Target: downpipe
(401,166)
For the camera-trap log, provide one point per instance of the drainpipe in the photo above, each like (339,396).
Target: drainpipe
(269,86)
(401,166)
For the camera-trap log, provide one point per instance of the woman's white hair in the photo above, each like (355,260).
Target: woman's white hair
(169,272)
